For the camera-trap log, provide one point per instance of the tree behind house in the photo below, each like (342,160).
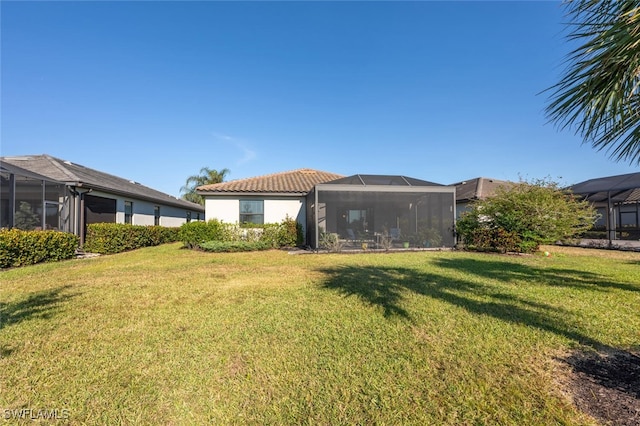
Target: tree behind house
(207,176)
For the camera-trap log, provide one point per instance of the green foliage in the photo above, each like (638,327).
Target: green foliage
(193,234)
(288,233)
(494,239)
(207,176)
(19,248)
(26,218)
(109,238)
(234,246)
(598,93)
(522,217)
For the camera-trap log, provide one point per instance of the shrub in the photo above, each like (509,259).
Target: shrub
(538,212)
(288,233)
(331,242)
(19,248)
(494,239)
(109,238)
(193,234)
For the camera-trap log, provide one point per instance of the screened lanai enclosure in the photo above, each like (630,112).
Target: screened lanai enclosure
(374,211)
(29,201)
(617,200)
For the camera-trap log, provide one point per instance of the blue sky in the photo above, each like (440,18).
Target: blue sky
(153,91)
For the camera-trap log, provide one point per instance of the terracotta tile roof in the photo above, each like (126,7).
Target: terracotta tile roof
(299,181)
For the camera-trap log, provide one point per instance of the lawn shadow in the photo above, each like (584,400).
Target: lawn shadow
(42,304)
(560,277)
(386,287)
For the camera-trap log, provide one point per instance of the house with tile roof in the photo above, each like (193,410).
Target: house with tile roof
(44,192)
(359,209)
(480,188)
(263,199)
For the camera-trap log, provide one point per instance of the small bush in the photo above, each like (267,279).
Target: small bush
(331,242)
(287,233)
(110,238)
(193,234)
(19,248)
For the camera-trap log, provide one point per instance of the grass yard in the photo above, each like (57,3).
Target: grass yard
(164,335)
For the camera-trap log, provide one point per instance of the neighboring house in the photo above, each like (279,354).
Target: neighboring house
(471,190)
(617,199)
(358,209)
(43,192)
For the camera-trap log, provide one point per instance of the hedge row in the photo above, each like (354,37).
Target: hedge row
(288,233)
(109,238)
(19,248)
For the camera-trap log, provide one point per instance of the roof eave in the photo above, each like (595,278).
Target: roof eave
(252,193)
(135,196)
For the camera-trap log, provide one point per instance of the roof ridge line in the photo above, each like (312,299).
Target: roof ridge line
(56,163)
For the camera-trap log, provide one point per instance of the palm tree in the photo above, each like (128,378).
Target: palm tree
(207,176)
(599,93)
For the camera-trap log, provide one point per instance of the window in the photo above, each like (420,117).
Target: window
(128,212)
(156,215)
(629,216)
(252,211)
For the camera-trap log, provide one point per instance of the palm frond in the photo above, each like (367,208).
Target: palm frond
(599,92)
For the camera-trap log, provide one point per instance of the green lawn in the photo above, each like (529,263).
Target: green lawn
(165,335)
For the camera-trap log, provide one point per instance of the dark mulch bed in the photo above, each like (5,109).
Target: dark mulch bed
(606,385)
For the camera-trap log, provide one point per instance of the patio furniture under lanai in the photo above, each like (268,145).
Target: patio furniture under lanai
(365,208)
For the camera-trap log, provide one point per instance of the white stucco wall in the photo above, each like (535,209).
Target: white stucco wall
(227,209)
(276,210)
(224,209)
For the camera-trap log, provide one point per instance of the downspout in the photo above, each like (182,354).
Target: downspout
(12,200)
(611,234)
(315,215)
(82,224)
(43,217)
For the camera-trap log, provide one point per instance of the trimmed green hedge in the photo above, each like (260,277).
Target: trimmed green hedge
(288,233)
(193,234)
(19,248)
(110,238)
